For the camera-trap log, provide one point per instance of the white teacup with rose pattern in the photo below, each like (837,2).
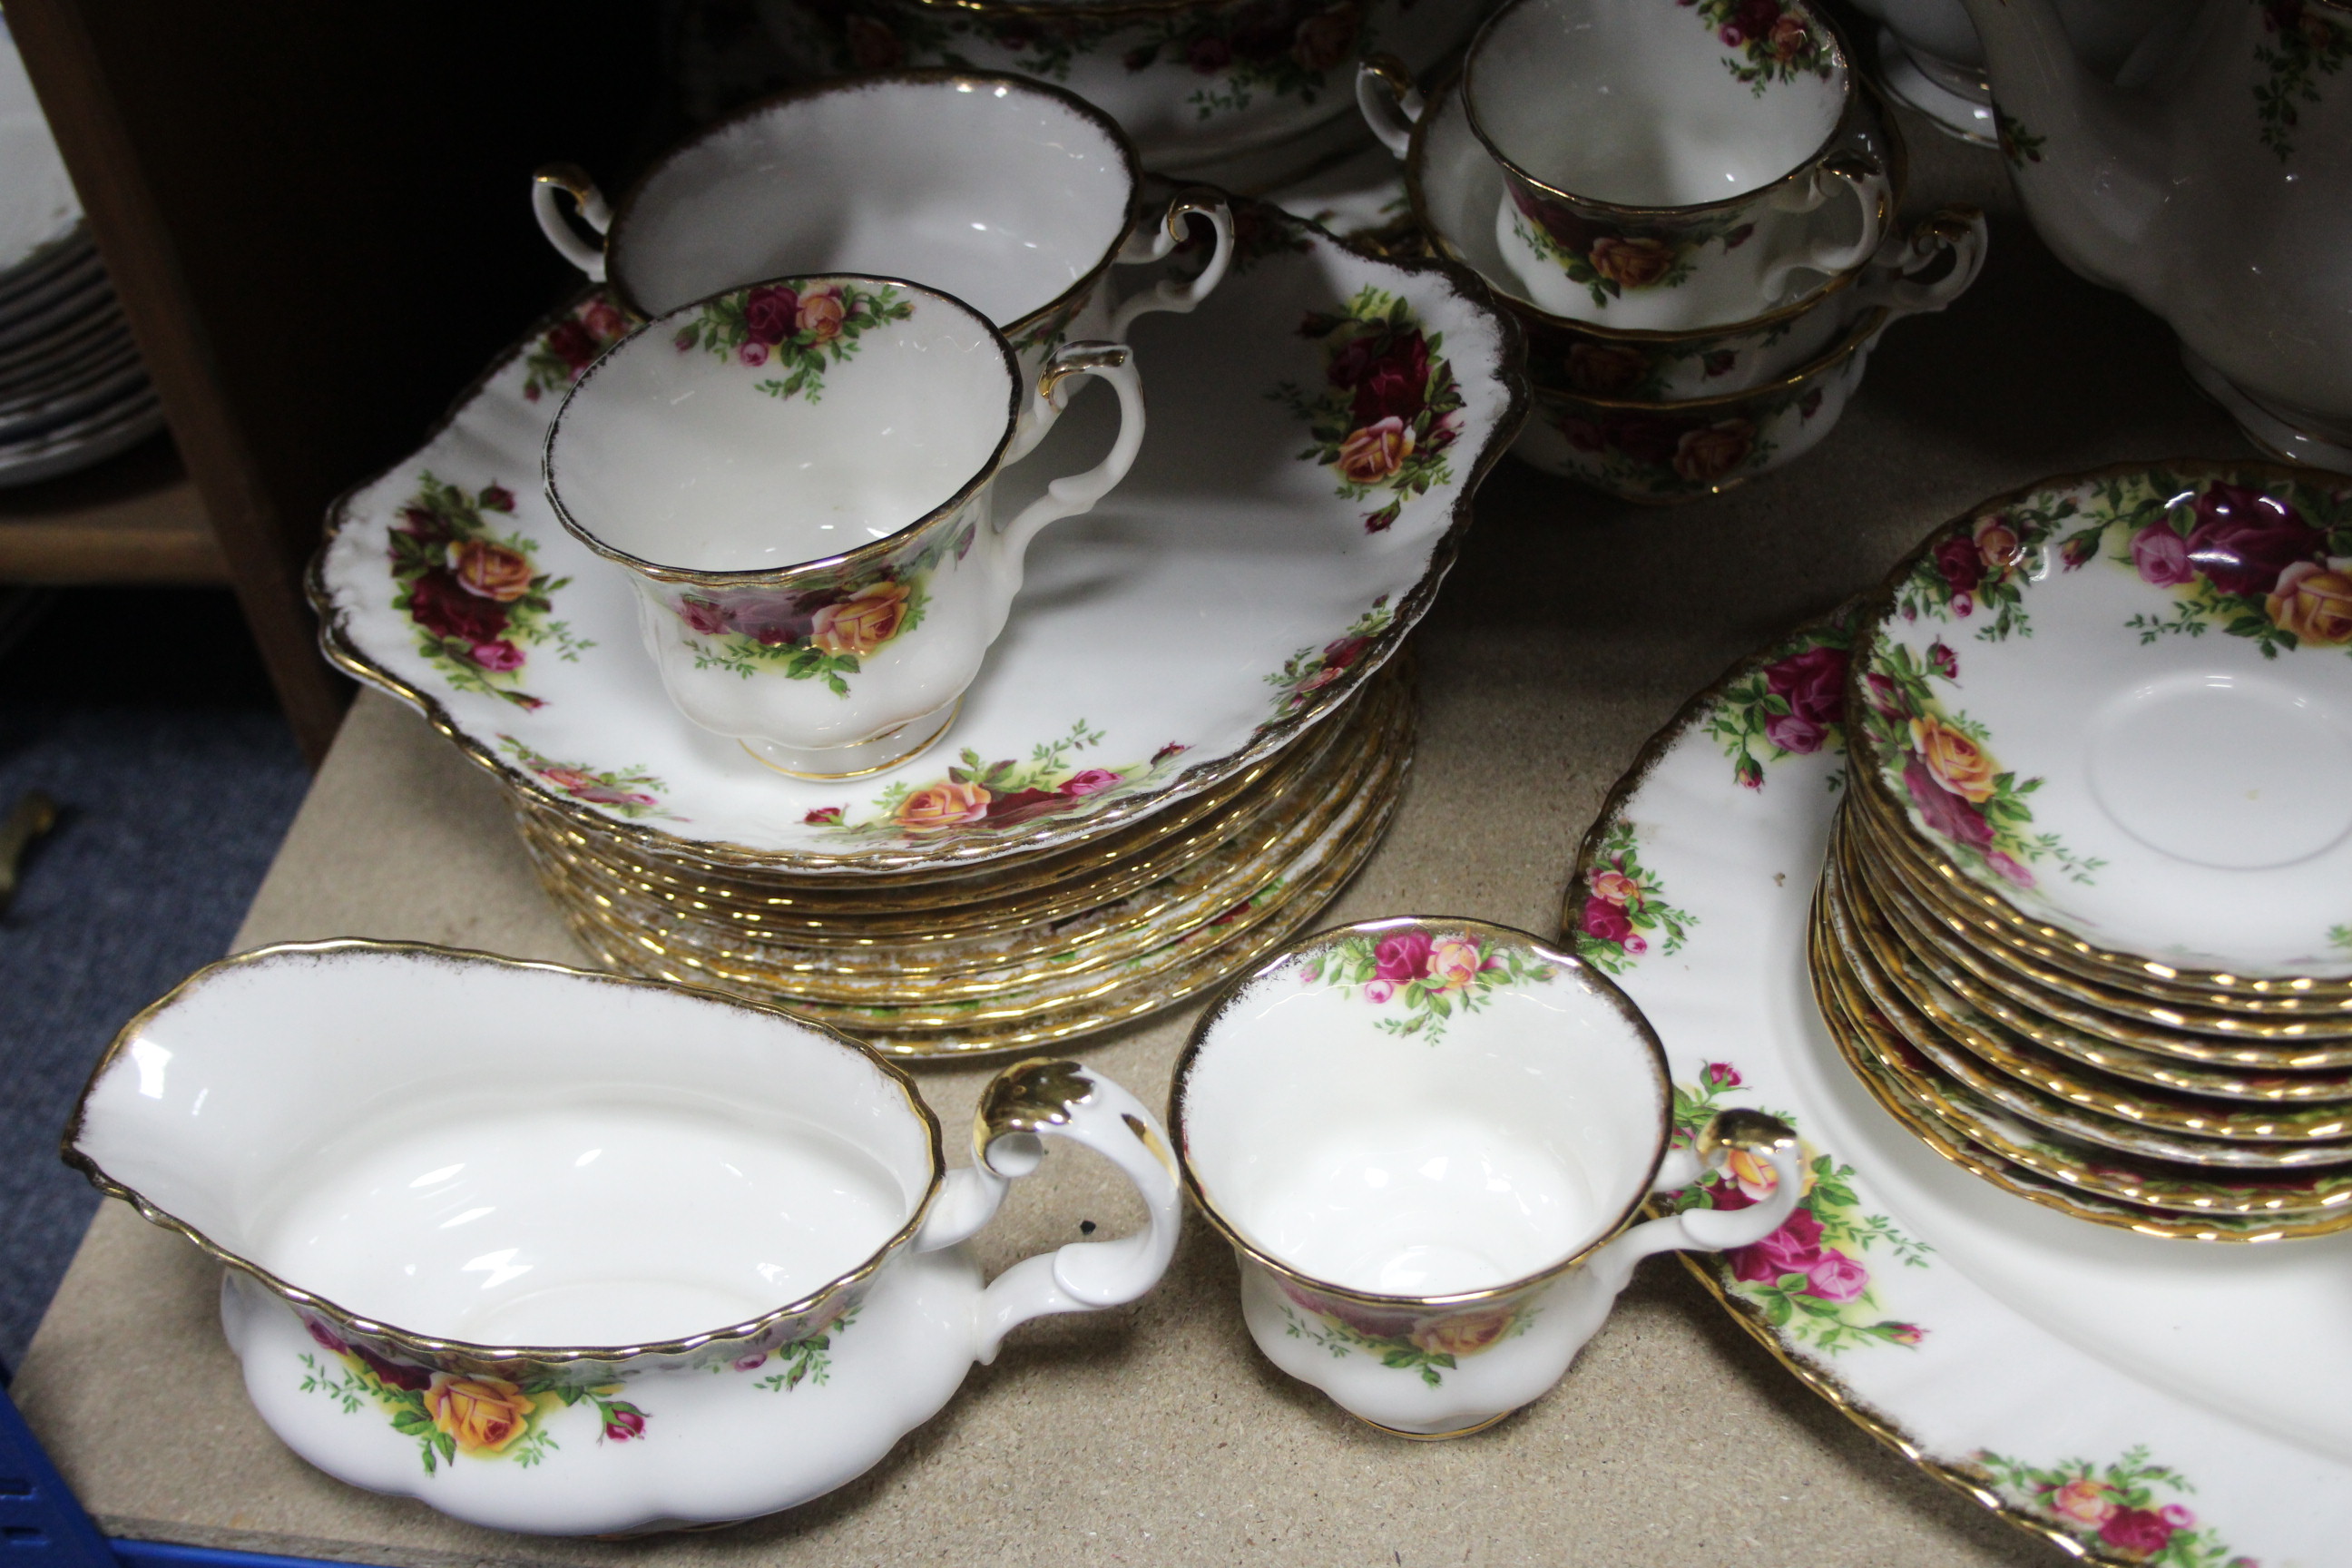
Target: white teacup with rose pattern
(798,479)
(1428,1141)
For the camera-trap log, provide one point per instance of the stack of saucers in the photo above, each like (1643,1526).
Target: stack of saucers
(1680,347)
(72,390)
(2084,920)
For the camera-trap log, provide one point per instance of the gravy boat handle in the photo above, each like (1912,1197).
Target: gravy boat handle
(1028,1103)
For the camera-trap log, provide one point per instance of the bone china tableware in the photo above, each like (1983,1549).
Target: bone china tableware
(2121,1395)
(2185,793)
(1207,89)
(2219,196)
(1428,1141)
(1267,553)
(1668,167)
(1452,186)
(487,1249)
(1010,194)
(809,523)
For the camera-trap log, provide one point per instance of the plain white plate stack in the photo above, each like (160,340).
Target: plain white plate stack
(72,390)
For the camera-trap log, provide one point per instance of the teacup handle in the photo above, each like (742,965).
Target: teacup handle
(1712,1230)
(1154,243)
(1858,173)
(1076,493)
(1029,1102)
(1955,231)
(573,181)
(1388,99)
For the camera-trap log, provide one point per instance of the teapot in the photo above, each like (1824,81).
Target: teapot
(2219,195)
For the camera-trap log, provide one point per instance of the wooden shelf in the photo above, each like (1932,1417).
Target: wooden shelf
(133,519)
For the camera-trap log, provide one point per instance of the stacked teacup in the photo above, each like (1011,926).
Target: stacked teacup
(2082,922)
(1690,208)
(856,306)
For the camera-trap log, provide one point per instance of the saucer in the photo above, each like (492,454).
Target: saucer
(2009,1349)
(2185,791)
(1252,571)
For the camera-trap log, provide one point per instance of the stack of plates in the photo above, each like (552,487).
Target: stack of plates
(2086,920)
(1030,950)
(72,390)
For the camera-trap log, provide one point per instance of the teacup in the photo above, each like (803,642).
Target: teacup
(1668,167)
(570,1253)
(1428,1141)
(1012,195)
(1452,185)
(798,478)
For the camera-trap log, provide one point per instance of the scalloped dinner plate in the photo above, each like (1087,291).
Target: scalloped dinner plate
(2127,1397)
(1237,587)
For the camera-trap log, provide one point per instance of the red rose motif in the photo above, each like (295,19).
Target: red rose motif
(1166,751)
(1093,781)
(771,313)
(1793,1248)
(1945,812)
(1812,683)
(499,656)
(1962,567)
(2244,539)
(572,342)
(1025,805)
(1605,921)
(326,1337)
(1401,957)
(497,497)
(1396,384)
(1723,1075)
(2141,1531)
(622,1421)
(1756,18)
(440,604)
(823,816)
(703,616)
(1834,1277)
(395,1375)
(1209,56)
(1943,661)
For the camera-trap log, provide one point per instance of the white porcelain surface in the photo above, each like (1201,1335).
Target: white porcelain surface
(2219,195)
(2187,792)
(1011,196)
(1150,642)
(849,481)
(1628,123)
(37,205)
(1195,85)
(469,1220)
(2022,1335)
(1486,1112)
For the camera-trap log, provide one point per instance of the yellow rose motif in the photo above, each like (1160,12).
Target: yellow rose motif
(1464,1334)
(863,622)
(1959,763)
(1634,263)
(480,1414)
(2083,1501)
(1754,1175)
(1998,545)
(1612,886)
(1453,962)
(948,804)
(820,315)
(490,571)
(1703,457)
(1373,453)
(2313,602)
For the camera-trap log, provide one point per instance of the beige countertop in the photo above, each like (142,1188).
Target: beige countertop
(1572,627)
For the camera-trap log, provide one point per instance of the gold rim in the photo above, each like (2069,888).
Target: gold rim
(1137,999)
(1898,179)
(1879,604)
(1013,960)
(1069,299)
(831,565)
(856,870)
(427,1345)
(1599,984)
(1030,893)
(2209,1135)
(1965,915)
(1864,1059)
(1848,81)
